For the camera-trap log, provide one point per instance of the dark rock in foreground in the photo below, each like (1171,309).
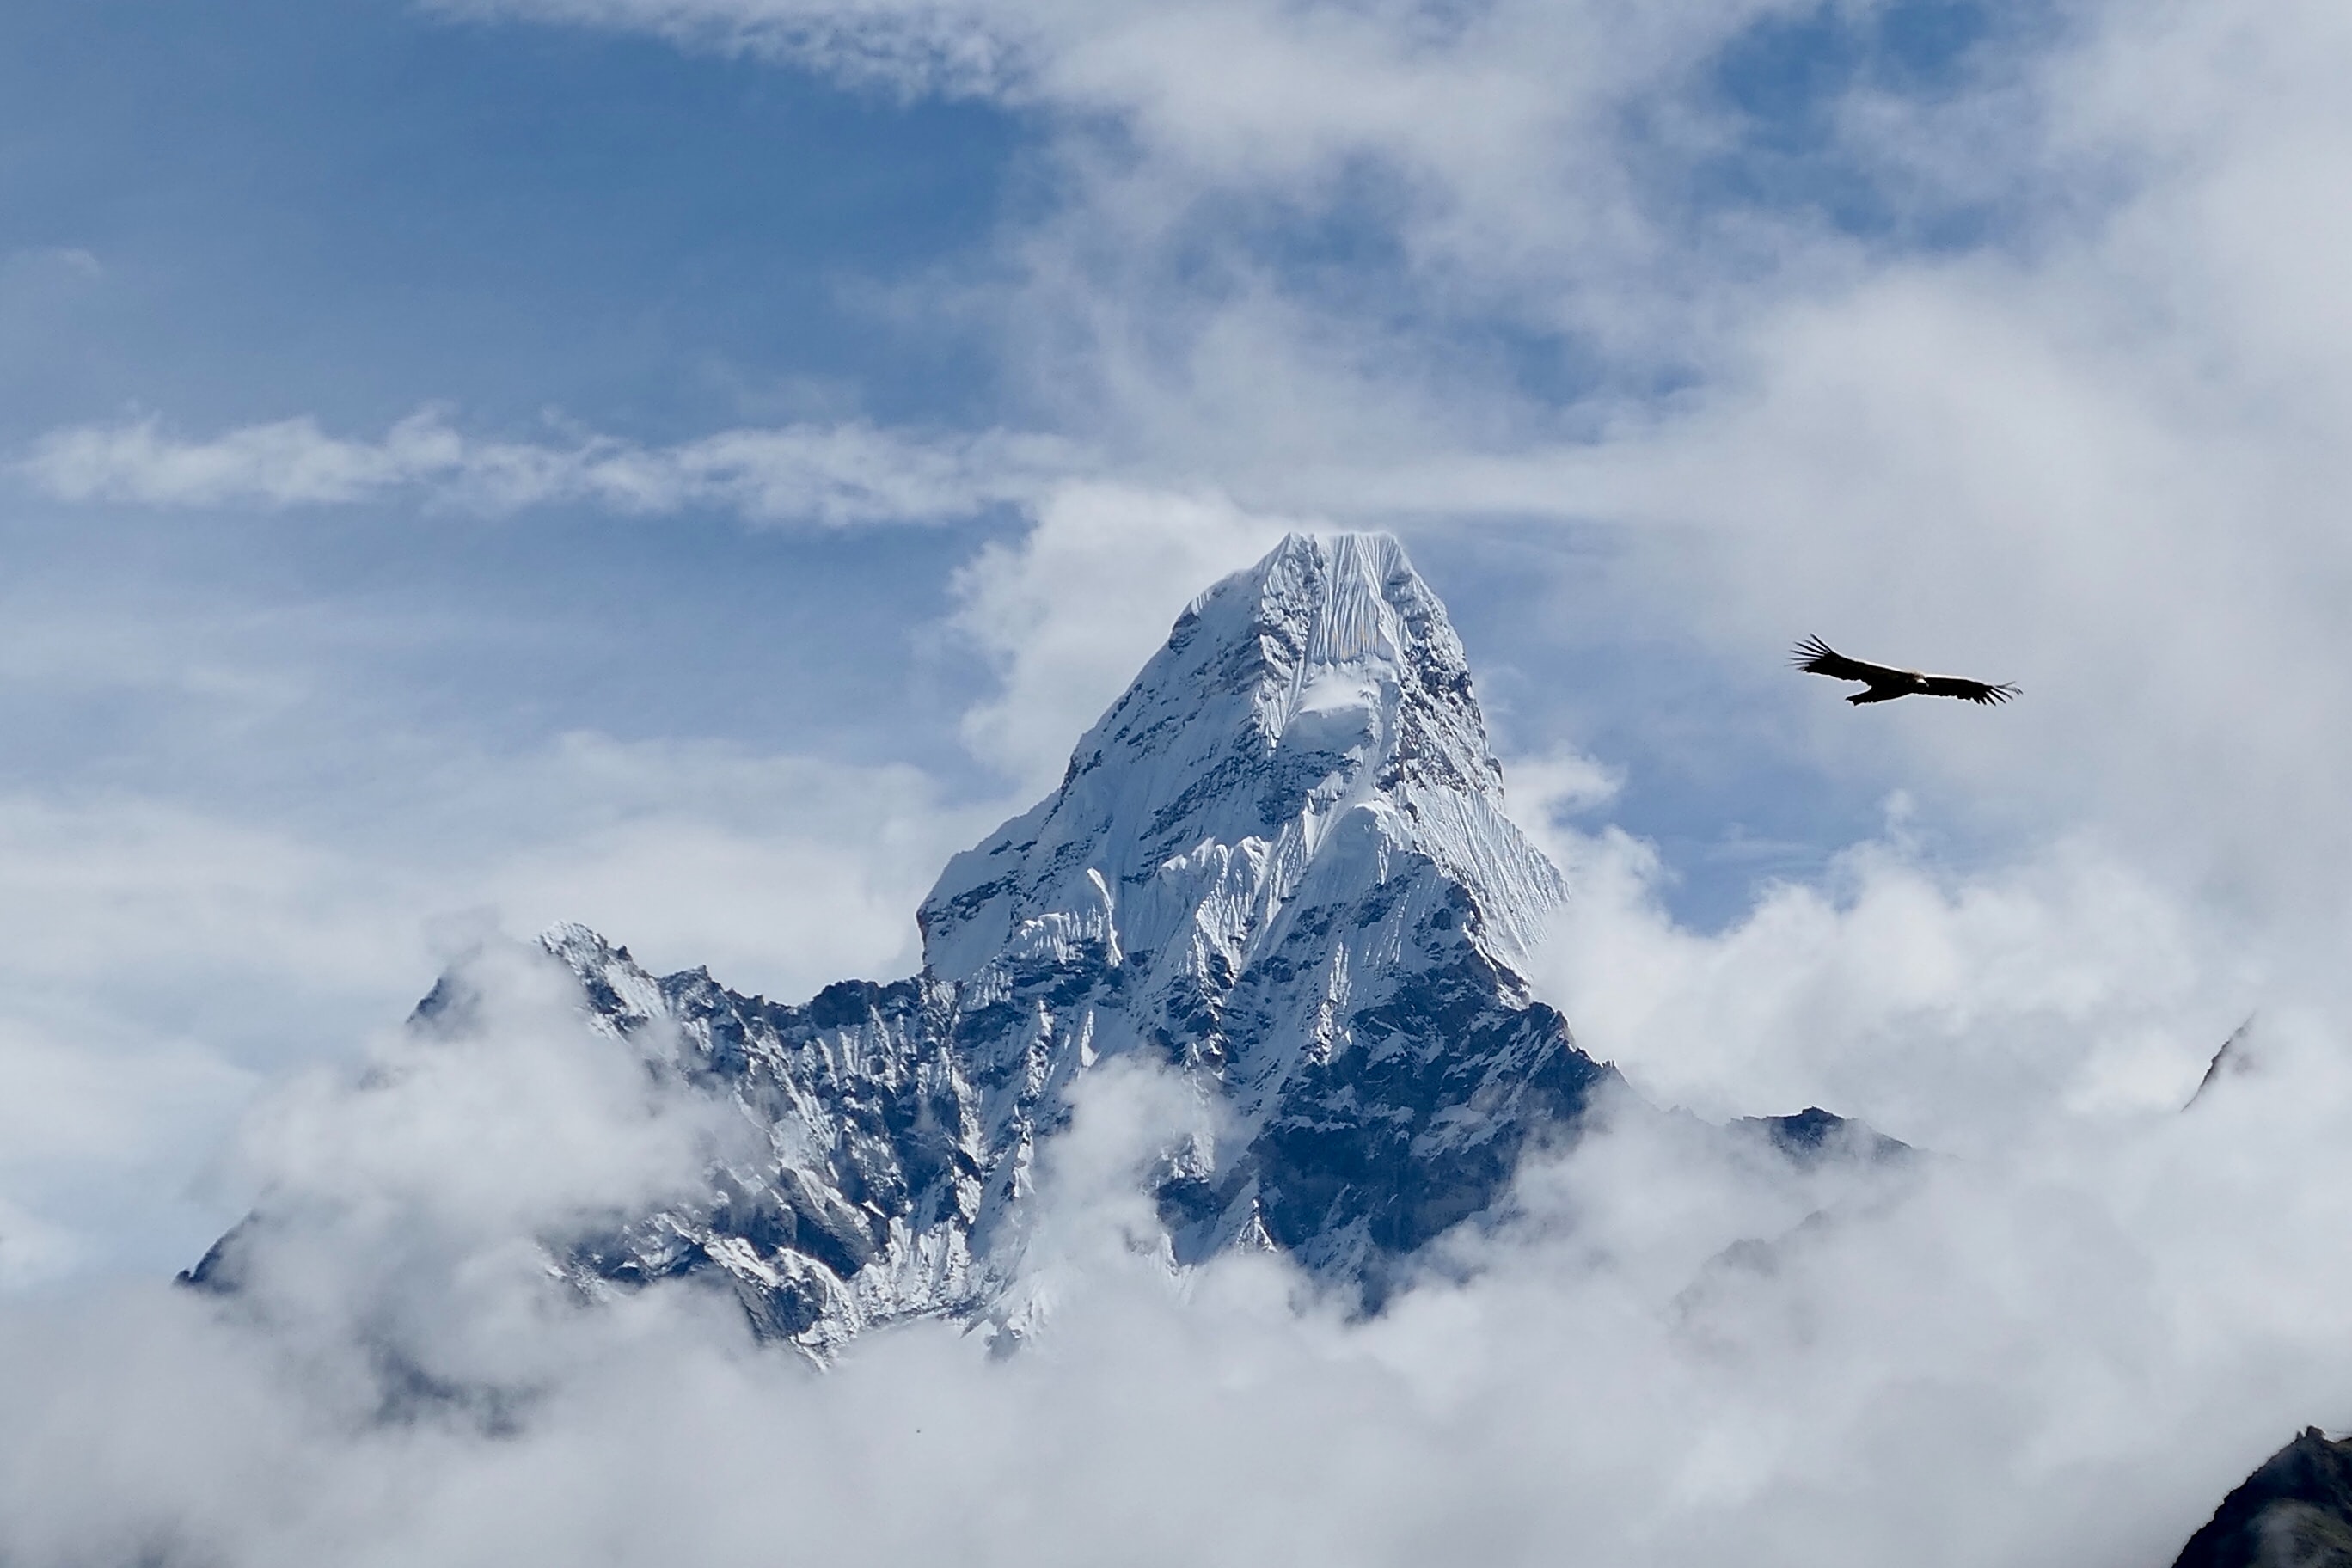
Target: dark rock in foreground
(2294,1512)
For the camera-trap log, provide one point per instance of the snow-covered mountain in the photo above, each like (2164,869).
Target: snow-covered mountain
(1280,864)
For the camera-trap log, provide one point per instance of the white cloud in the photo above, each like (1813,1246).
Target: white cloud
(2062,1355)
(515,1117)
(831,475)
(2099,454)
(1961,1011)
(1528,165)
(1071,612)
(158,962)
(786,873)
(1956,469)
(1560,783)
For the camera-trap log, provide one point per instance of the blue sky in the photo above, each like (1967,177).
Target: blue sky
(349,209)
(350,212)
(692,466)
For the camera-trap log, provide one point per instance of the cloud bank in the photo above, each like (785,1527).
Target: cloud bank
(162,965)
(2061,1354)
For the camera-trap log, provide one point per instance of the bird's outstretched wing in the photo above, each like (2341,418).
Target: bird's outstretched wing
(1820,658)
(1969,690)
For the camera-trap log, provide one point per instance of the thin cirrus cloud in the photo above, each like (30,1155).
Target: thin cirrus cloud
(836,476)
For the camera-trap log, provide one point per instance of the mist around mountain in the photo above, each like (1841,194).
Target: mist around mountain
(1225,1188)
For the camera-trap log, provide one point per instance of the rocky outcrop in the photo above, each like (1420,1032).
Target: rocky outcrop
(2295,1511)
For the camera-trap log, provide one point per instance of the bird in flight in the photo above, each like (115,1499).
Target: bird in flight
(1886,684)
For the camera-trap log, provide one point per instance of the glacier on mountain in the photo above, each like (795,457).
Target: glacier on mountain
(1279,866)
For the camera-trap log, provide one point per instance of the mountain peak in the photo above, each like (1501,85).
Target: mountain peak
(1277,867)
(1342,627)
(1311,711)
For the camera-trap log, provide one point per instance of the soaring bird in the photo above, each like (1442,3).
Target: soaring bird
(1886,684)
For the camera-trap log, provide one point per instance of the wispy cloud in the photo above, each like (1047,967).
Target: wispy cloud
(1071,611)
(1555,168)
(832,476)
(912,46)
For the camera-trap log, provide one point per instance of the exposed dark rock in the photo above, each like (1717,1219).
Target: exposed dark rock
(2234,1060)
(1813,1135)
(2295,1511)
